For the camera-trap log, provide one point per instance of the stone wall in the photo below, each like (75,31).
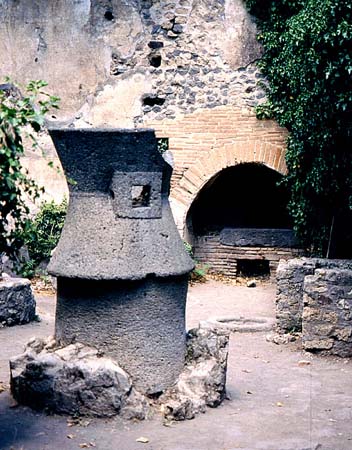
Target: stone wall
(186,68)
(223,258)
(291,276)
(327,313)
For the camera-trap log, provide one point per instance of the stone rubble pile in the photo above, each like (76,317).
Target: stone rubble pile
(78,379)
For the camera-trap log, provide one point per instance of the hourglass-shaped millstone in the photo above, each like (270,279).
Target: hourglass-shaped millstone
(121,267)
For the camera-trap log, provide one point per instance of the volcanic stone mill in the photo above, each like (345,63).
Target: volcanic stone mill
(121,267)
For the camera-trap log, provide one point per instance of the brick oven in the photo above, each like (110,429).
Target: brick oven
(238,223)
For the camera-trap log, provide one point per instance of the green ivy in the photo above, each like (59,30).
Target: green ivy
(308,63)
(21,114)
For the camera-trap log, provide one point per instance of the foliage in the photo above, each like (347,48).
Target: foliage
(163,145)
(308,63)
(198,274)
(42,235)
(20,115)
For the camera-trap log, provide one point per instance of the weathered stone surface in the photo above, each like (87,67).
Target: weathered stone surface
(289,296)
(17,303)
(77,379)
(203,381)
(73,380)
(116,248)
(327,313)
(258,237)
(240,324)
(120,256)
(141,324)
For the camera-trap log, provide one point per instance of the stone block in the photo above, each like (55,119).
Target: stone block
(73,380)
(258,237)
(290,277)
(203,380)
(327,327)
(17,303)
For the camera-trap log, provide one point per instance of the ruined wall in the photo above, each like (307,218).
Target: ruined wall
(291,276)
(184,67)
(327,313)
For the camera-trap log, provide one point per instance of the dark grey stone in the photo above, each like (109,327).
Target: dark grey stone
(98,244)
(17,303)
(140,324)
(327,313)
(177,28)
(122,268)
(258,237)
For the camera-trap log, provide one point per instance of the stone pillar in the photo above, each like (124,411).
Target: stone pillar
(122,268)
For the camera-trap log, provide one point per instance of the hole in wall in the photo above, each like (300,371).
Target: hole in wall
(152,100)
(253,267)
(140,195)
(155,44)
(155,60)
(109,15)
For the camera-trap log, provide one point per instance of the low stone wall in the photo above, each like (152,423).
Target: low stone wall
(290,276)
(17,304)
(327,312)
(222,258)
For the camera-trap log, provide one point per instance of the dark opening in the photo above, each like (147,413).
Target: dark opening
(153,100)
(155,60)
(253,268)
(140,196)
(155,44)
(243,196)
(109,15)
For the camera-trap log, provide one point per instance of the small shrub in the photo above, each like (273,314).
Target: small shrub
(42,235)
(198,274)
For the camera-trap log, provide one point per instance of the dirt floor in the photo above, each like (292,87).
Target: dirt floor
(280,398)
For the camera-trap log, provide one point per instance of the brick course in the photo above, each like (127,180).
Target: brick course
(207,141)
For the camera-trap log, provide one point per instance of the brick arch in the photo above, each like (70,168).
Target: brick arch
(213,161)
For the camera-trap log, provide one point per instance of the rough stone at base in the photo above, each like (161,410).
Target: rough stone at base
(17,303)
(72,380)
(203,381)
(76,379)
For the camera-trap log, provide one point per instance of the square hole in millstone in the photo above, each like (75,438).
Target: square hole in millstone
(140,196)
